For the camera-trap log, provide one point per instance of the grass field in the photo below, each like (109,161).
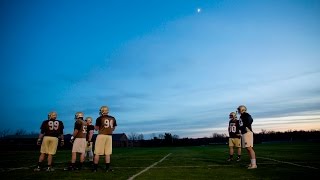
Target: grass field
(275,161)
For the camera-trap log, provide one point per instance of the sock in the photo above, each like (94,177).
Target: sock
(231,156)
(253,161)
(95,166)
(80,165)
(107,165)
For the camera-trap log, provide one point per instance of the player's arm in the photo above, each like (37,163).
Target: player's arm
(40,138)
(98,124)
(41,134)
(90,135)
(114,124)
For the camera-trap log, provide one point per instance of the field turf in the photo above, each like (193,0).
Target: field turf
(275,161)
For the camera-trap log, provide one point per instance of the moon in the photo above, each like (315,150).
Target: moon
(198,10)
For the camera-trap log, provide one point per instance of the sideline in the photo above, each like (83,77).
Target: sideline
(146,169)
(284,162)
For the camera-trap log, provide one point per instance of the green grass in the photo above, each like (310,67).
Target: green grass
(202,162)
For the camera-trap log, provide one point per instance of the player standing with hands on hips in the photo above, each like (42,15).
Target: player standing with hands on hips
(245,122)
(105,124)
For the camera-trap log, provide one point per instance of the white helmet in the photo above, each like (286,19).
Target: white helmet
(52,115)
(241,109)
(89,119)
(104,110)
(78,115)
(232,115)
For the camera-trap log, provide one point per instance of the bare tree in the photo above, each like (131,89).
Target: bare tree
(140,137)
(161,136)
(133,136)
(20,132)
(175,136)
(4,133)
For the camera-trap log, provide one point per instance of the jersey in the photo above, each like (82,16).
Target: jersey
(245,122)
(106,124)
(52,128)
(234,128)
(89,128)
(81,126)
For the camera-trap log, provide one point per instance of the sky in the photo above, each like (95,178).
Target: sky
(161,66)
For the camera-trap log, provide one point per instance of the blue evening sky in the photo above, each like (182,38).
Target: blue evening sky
(161,65)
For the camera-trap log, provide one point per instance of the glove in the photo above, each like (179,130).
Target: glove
(72,139)
(88,143)
(62,143)
(39,142)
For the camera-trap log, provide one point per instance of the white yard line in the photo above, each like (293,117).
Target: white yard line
(310,167)
(146,169)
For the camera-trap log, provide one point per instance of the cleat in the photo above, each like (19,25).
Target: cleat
(238,159)
(70,168)
(229,159)
(109,170)
(37,169)
(253,167)
(49,169)
(249,165)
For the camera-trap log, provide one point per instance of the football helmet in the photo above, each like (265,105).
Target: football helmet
(78,115)
(241,109)
(89,119)
(52,115)
(104,110)
(232,115)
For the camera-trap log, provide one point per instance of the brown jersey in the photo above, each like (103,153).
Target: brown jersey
(81,126)
(52,128)
(106,124)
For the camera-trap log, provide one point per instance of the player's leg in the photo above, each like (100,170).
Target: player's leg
(237,144)
(230,150)
(52,149)
(249,147)
(98,150)
(108,152)
(41,158)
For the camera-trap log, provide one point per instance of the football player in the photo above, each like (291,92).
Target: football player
(51,130)
(234,136)
(79,141)
(245,122)
(90,129)
(105,124)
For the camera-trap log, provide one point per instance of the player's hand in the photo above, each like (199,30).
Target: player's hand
(39,142)
(239,135)
(71,141)
(88,143)
(62,143)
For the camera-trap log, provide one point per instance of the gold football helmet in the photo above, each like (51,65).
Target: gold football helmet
(104,110)
(241,109)
(52,115)
(232,115)
(79,115)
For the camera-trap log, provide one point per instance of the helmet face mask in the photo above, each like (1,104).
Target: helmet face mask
(52,115)
(104,110)
(232,116)
(79,115)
